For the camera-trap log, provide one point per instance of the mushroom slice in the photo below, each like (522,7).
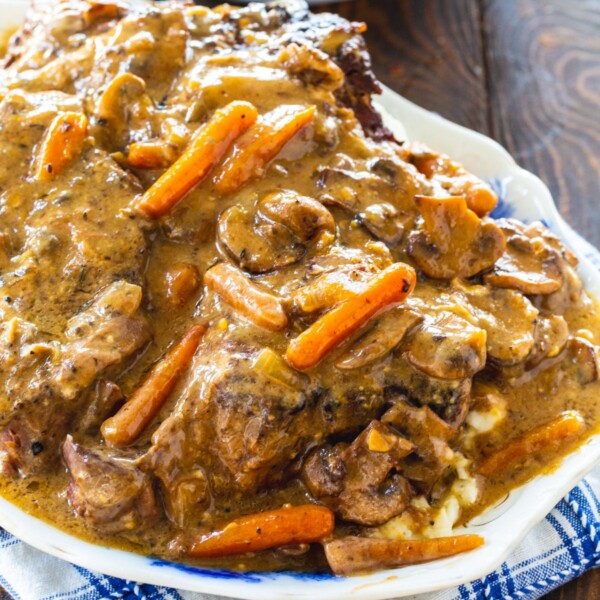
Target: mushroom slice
(582,357)
(388,331)
(569,295)
(305,217)
(257,247)
(538,229)
(383,222)
(357,481)
(551,337)
(454,241)
(509,319)
(447,347)
(530,264)
(430,435)
(352,190)
(123,97)
(571,290)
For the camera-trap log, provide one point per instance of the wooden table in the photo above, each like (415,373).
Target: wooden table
(525,72)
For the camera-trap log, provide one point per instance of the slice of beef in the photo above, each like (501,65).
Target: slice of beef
(448,398)
(234,426)
(103,335)
(355,61)
(108,491)
(430,435)
(357,480)
(62,241)
(341,40)
(230,422)
(256,433)
(106,398)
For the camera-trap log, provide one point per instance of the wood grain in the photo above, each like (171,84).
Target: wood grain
(586,587)
(429,51)
(543,68)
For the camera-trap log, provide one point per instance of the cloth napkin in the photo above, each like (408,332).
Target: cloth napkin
(563,546)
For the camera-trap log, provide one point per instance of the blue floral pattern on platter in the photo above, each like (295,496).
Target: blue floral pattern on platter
(503,210)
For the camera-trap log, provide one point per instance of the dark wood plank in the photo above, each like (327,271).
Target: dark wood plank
(586,587)
(429,51)
(543,70)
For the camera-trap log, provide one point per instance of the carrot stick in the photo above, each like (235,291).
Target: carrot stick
(101,10)
(253,533)
(252,301)
(134,416)
(251,154)
(61,144)
(389,287)
(554,433)
(354,554)
(205,151)
(150,155)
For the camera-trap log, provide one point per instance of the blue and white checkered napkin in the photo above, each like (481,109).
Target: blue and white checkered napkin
(560,548)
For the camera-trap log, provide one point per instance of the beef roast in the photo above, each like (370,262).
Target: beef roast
(109,491)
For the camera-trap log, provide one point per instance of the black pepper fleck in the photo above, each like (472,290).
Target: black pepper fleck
(36,448)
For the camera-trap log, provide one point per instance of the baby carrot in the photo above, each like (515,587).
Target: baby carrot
(61,144)
(150,155)
(252,533)
(101,10)
(134,416)
(251,154)
(554,433)
(251,300)
(351,554)
(389,287)
(205,151)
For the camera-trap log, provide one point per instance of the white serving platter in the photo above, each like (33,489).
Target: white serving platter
(525,197)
